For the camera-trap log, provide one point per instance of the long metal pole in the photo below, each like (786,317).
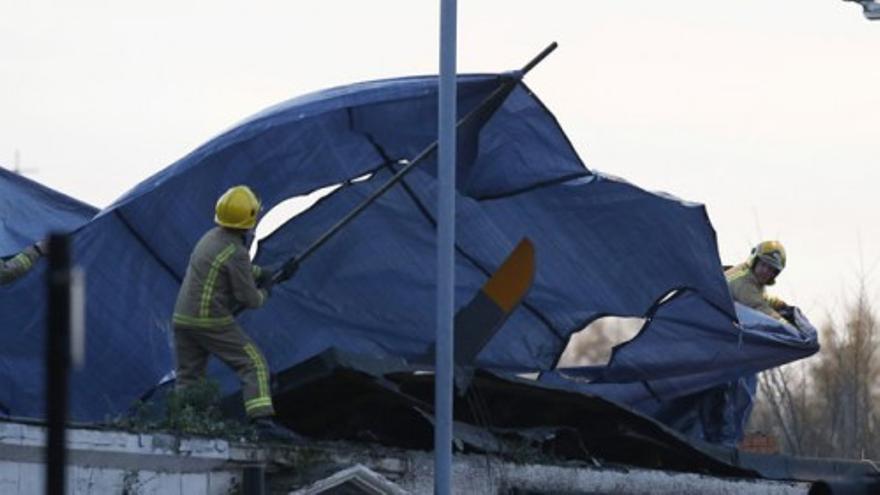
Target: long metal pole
(57,362)
(445,251)
(292,263)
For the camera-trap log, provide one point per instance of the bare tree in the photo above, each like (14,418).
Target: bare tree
(593,345)
(846,382)
(829,405)
(785,408)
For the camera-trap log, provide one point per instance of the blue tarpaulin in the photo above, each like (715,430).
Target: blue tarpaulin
(30,211)
(603,246)
(694,368)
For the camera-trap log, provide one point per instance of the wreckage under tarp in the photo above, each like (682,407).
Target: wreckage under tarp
(603,247)
(338,396)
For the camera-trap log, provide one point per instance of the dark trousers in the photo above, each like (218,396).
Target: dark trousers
(232,346)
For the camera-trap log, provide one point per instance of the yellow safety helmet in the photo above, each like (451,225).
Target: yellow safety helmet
(770,252)
(237,208)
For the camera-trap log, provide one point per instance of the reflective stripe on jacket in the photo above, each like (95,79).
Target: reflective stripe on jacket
(219,278)
(18,265)
(745,289)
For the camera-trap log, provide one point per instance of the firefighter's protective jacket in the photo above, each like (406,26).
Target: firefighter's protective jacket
(18,265)
(746,289)
(219,277)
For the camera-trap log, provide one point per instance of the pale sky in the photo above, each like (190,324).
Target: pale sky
(767,111)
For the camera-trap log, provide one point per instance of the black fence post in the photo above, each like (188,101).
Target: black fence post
(57,361)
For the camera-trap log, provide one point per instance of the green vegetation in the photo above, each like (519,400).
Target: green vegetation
(191,411)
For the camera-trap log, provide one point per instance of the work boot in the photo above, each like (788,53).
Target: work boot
(269,430)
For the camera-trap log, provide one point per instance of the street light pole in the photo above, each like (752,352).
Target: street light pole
(445,250)
(870,8)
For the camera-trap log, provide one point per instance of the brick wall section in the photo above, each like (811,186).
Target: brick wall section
(759,443)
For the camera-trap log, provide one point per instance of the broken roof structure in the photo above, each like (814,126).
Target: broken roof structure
(389,402)
(603,247)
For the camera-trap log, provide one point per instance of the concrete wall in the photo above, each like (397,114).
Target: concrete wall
(414,472)
(117,462)
(114,462)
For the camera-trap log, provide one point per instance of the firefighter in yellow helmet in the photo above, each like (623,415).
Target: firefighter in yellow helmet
(219,279)
(748,280)
(15,267)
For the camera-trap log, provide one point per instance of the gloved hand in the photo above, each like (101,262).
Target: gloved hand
(264,278)
(266,285)
(787,312)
